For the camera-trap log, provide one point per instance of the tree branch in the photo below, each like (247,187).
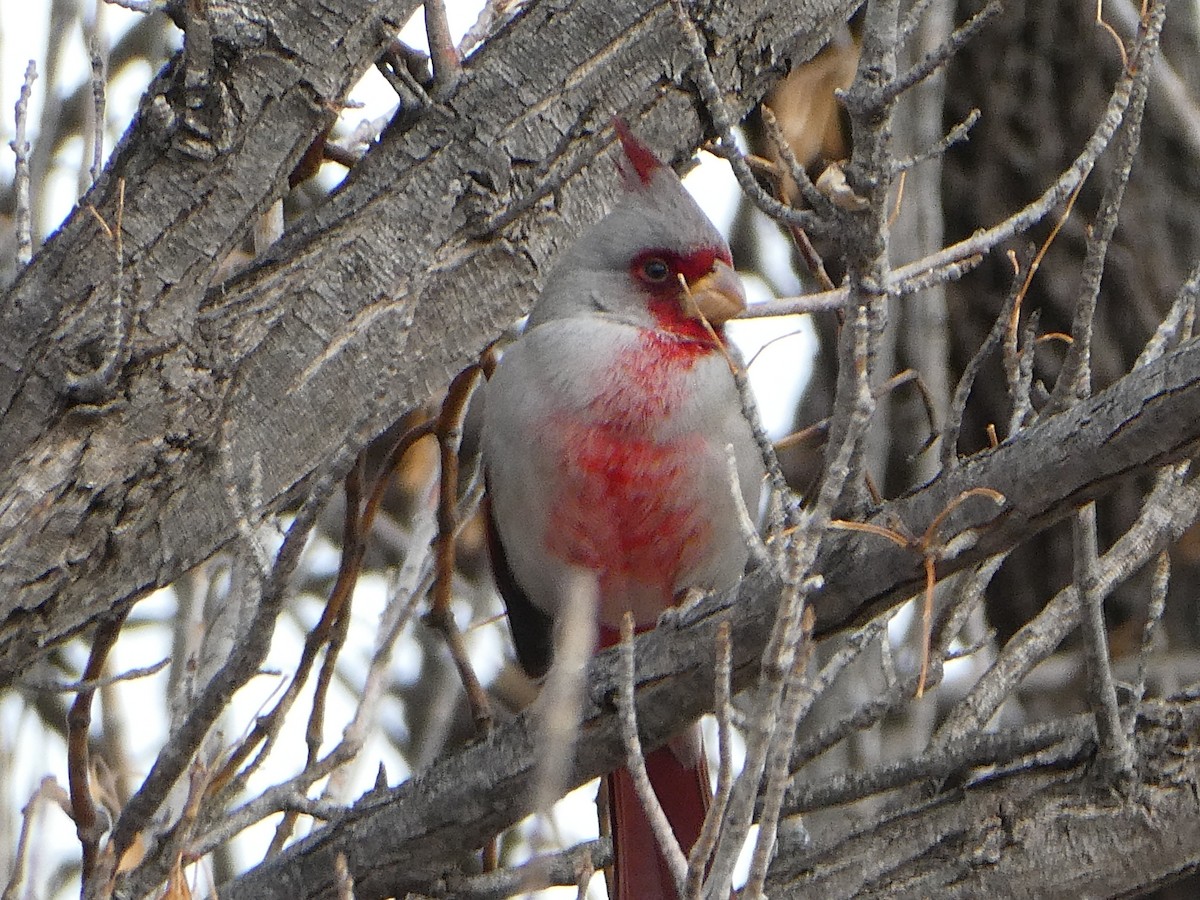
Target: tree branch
(367,306)
(1040,831)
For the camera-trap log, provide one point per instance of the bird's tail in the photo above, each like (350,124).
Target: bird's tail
(679,776)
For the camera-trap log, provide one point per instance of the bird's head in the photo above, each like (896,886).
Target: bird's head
(655,261)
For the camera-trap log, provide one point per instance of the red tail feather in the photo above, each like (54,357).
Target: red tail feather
(640,869)
(679,775)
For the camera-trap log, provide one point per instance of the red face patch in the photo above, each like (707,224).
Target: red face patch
(658,271)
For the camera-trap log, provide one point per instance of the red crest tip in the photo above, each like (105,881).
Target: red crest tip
(642,160)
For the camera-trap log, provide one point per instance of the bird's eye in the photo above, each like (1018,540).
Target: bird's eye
(655,270)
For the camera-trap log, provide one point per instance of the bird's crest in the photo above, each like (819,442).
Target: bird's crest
(640,163)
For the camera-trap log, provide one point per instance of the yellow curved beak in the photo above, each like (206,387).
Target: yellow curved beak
(717,296)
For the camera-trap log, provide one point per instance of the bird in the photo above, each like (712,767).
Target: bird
(615,449)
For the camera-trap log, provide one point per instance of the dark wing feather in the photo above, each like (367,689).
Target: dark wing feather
(532,629)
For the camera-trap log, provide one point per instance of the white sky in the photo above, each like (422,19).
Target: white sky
(776,376)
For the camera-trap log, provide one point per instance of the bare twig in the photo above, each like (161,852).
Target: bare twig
(984,240)
(814,197)
(955,135)
(21,148)
(784,642)
(140,6)
(798,699)
(1116,748)
(1151,631)
(1075,379)
(966,381)
(330,631)
(104,681)
(568,867)
(1178,324)
(98,53)
(726,145)
(1172,92)
(493,14)
(1071,738)
(942,55)
(448,430)
(825,301)
(447,68)
(88,824)
(267,726)
(48,789)
(635,763)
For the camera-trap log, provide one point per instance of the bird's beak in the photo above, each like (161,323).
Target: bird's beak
(717,296)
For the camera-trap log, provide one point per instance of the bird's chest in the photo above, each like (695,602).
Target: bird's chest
(630,452)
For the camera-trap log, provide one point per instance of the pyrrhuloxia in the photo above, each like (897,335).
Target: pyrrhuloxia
(608,429)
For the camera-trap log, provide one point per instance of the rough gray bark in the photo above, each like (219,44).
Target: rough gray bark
(1052,832)
(146,413)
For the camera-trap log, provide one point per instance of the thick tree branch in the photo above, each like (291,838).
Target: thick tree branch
(1052,832)
(437,240)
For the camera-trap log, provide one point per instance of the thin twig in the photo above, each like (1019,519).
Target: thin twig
(494,12)
(966,381)
(812,196)
(71,687)
(448,429)
(267,726)
(567,867)
(447,68)
(329,631)
(942,55)
(98,53)
(726,145)
(1115,756)
(88,825)
(1075,378)
(635,762)
(955,135)
(984,748)
(1171,508)
(798,700)
(139,6)
(1178,324)
(23,219)
(984,240)
(799,551)
(48,789)
(706,842)
(1151,631)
